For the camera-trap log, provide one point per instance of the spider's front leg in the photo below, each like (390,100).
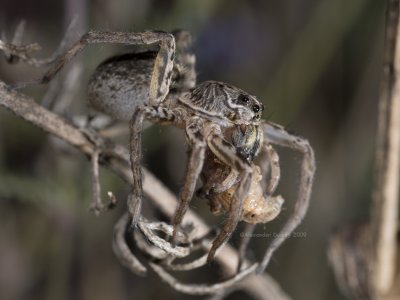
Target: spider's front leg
(227,154)
(278,135)
(158,114)
(193,170)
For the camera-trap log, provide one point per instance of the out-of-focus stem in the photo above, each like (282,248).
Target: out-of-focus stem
(385,204)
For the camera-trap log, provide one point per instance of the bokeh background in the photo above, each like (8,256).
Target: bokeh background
(316,65)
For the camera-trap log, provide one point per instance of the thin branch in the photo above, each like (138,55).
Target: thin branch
(22,52)
(200,289)
(15,51)
(385,204)
(116,158)
(122,251)
(160,243)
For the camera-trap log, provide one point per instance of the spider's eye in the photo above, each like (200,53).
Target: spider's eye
(243,99)
(256,108)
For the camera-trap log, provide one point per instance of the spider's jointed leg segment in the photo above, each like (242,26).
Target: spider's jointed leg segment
(193,170)
(278,135)
(158,114)
(227,154)
(275,171)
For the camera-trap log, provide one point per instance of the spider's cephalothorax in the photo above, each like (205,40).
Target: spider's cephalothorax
(227,101)
(222,123)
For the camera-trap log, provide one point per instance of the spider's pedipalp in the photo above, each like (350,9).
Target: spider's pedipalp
(278,135)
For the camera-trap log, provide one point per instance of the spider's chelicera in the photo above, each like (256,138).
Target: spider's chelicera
(223,127)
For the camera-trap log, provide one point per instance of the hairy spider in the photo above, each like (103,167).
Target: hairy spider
(222,123)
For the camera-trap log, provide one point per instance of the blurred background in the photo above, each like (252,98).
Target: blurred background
(316,65)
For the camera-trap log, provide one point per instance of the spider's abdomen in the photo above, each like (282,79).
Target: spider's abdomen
(120,84)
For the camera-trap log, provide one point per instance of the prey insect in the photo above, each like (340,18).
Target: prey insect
(222,123)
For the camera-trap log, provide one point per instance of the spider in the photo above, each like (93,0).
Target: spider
(222,123)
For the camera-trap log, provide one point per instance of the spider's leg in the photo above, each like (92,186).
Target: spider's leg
(158,114)
(227,154)
(278,135)
(274,168)
(161,77)
(184,77)
(193,170)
